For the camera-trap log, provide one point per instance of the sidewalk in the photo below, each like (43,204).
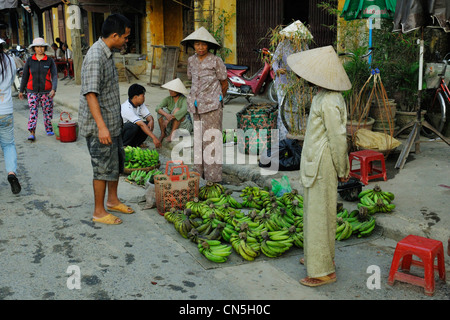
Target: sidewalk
(422,187)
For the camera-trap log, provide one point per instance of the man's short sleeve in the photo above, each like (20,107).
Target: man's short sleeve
(91,76)
(126,110)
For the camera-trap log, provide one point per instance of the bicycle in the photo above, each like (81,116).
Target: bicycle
(436,114)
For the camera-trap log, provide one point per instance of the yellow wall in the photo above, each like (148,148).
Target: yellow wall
(230,34)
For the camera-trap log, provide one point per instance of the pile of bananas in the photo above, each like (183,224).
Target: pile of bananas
(271,226)
(135,157)
(376,200)
(214,250)
(210,190)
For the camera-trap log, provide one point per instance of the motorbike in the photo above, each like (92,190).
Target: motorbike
(20,55)
(240,85)
(18,79)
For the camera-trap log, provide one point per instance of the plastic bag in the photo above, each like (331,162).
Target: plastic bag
(281,187)
(287,154)
(150,197)
(368,139)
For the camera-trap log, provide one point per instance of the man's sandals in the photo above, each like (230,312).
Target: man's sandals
(120,208)
(112,219)
(108,219)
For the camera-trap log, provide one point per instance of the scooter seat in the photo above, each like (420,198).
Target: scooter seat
(235,67)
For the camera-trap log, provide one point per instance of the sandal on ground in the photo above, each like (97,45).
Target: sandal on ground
(108,219)
(14,182)
(31,137)
(319,281)
(121,208)
(50,133)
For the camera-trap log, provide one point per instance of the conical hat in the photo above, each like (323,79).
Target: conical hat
(296,28)
(201,34)
(177,86)
(322,67)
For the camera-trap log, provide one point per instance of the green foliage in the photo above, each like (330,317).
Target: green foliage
(218,31)
(397,57)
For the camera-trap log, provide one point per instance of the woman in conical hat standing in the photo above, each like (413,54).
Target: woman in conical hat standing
(324,159)
(205,101)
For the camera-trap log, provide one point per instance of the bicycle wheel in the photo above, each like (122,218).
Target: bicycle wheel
(272,93)
(436,116)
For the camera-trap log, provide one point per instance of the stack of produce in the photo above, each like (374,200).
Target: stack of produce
(135,157)
(217,222)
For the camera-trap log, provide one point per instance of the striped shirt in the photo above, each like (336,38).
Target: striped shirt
(99,75)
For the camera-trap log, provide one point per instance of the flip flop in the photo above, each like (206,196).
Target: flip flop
(14,182)
(121,208)
(31,137)
(108,219)
(319,281)
(50,133)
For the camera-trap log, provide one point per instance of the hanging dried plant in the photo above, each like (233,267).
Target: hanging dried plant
(297,93)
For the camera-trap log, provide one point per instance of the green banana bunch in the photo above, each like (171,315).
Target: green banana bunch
(135,157)
(195,205)
(210,190)
(214,250)
(183,225)
(251,191)
(376,200)
(140,177)
(226,198)
(295,207)
(172,215)
(247,248)
(288,197)
(275,243)
(228,231)
(269,202)
(343,230)
(366,228)
(252,201)
(296,234)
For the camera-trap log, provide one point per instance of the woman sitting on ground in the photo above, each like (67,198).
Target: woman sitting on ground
(172,111)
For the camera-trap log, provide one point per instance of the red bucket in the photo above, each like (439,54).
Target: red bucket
(67,129)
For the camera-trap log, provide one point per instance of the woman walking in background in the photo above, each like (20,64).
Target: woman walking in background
(40,77)
(7,74)
(205,101)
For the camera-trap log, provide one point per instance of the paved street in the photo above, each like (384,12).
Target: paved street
(46,233)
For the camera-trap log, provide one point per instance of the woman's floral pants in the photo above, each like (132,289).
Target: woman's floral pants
(35,100)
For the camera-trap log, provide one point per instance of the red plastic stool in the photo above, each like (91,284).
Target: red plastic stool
(366,170)
(427,250)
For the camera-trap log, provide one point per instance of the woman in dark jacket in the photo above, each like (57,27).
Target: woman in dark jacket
(40,78)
